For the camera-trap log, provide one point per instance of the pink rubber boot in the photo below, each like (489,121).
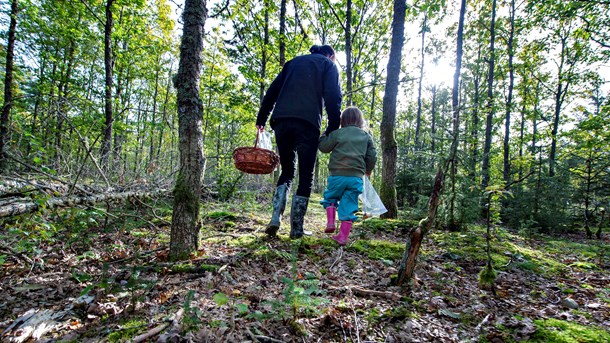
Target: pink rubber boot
(344,230)
(331,211)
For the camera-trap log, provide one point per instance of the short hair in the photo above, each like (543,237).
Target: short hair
(352,116)
(325,50)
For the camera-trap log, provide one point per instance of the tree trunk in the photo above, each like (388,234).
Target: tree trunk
(164,112)
(474,125)
(185,219)
(153,126)
(455,106)
(558,102)
(62,94)
(522,125)
(8,87)
(421,78)
(490,101)
(108,65)
(348,53)
(433,119)
(409,257)
(283,33)
(263,73)
(388,122)
(509,100)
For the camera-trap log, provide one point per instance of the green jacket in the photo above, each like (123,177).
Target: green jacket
(352,151)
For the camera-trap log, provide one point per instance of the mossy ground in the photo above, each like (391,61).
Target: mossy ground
(305,288)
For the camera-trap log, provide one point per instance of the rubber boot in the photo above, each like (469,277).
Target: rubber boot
(297,216)
(331,212)
(279,205)
(344,230)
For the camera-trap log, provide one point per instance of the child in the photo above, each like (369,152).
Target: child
(352,156)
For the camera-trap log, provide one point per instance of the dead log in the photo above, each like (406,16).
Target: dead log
(414,240)
(25,205)
(10,186)
(33,325)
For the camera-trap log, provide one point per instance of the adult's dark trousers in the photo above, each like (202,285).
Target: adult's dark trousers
(296,138)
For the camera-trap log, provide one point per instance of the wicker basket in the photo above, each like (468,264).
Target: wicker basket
(253,160)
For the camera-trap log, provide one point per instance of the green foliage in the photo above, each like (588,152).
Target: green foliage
(559,331)
(300,296)
(128,330)
(378,249)
(191,320)
(487,276)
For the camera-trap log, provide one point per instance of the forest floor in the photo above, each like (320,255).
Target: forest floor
(103,276)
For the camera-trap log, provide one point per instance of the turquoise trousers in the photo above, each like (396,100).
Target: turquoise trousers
(343,191)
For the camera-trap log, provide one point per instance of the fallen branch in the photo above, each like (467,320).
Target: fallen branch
(414,240)
(367,292)
(151,333)
(25,205)
(38,170)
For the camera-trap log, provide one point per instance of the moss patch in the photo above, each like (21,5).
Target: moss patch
(127,331)
(378,249)
(555,331)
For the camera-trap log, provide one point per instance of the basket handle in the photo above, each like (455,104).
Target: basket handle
(257,134)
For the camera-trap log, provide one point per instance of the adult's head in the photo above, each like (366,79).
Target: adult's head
(352,116)
(325,50)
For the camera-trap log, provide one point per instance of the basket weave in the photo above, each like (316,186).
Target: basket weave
(253,160)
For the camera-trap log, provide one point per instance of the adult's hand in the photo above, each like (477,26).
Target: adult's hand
(260,128)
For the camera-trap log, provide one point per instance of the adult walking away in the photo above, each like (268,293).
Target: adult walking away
(305,85)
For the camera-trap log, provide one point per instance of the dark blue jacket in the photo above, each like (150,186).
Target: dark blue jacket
(305,85)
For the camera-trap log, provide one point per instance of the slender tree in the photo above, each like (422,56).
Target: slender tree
(8,86)
(455,106)
(108,66)
(509,100)
(388,121)
(185,218)
(490,99)
(424,29)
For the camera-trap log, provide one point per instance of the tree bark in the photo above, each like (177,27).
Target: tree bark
(509,100)
(433,119)
(283,33)
(184,237)
(409,257)
(108,66)
(455,106)
(490,101)
(388,122)
(8,87)
(348,53)
(424,27)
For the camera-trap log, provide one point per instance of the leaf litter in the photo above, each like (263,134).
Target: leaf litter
(243,287)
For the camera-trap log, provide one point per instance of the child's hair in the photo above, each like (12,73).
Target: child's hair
(352,116)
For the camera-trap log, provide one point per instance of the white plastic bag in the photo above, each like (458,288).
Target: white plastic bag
(371,203)
(264,140)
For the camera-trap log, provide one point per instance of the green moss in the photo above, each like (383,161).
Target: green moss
(400,313)
(183,194)
(390,225)
(127,331)
(583,265)
(220,215)
(378,249)
(487,276)
(559,331)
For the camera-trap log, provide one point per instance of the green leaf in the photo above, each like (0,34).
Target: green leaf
(448,313)
(242,309)
(220,299)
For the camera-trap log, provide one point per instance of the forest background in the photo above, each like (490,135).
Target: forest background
(90,102)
